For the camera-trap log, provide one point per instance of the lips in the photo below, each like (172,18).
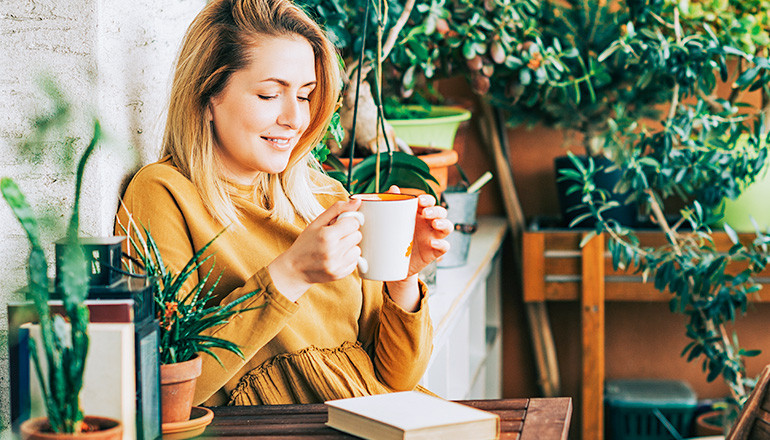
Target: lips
(278,142)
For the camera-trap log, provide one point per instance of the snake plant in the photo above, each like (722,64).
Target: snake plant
(65,346)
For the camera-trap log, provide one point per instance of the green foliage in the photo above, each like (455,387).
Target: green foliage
(625,61)
(396,168)
(705,148)
(48,128)
(694,271)
(65,344)
(493,43)
(596,83)
(185,314)
(334,134)
(744,25)
(379,171)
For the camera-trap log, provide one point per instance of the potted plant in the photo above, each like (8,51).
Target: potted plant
(184,315)
(424,42)
(688,153)
(384,166)
(64,343)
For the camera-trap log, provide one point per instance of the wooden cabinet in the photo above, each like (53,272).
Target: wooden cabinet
(465,308)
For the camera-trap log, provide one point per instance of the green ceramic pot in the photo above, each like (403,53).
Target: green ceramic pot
(752,203)
(436,129)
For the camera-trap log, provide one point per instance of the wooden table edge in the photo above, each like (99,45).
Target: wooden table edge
(548,418)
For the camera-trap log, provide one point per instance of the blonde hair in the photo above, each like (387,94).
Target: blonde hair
(216,45)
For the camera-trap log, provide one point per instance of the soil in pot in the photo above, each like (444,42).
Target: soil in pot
(177,388)
(96,428)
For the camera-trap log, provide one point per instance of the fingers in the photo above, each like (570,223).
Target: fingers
(439,245)
(434,212)
(442,226)
(425,200)
(394,189)
(351,239)
(327,217)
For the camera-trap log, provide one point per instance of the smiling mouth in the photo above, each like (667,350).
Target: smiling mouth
(281,142)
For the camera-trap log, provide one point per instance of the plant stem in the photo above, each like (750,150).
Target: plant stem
(355,105)
(675,92)
(390,40)
(660,219)
(736,388)
(378,91)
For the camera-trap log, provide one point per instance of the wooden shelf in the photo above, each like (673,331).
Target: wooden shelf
(553,272)
(556,268)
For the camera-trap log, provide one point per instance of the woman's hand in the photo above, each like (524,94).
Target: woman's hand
(430,230)
(327,250)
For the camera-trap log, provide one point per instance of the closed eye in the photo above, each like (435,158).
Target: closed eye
(267,97)
(304,98)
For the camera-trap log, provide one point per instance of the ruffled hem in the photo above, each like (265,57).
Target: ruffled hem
(311,375)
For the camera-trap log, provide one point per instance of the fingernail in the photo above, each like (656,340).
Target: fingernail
(427,211)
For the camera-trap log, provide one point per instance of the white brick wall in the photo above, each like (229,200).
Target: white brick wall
(112,58)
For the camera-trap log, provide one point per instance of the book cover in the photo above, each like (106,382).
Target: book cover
(19,365)
(101,310)
(410,415)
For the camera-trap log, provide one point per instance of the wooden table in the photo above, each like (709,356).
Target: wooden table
(523,419)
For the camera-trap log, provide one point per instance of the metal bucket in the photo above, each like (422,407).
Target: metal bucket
(461,210)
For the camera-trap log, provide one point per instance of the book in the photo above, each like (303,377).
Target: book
(410,415)
(18,360)
(109,310)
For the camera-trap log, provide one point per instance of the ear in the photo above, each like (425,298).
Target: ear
(207,113)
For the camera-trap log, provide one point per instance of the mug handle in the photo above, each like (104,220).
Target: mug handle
(363,265)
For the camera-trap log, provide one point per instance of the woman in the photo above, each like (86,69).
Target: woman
(254,89)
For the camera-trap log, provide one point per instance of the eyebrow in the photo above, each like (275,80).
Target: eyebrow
(284,83)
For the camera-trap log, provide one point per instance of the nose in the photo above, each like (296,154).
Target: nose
(291,113)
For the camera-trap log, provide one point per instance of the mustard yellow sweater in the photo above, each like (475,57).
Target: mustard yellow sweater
(340,339)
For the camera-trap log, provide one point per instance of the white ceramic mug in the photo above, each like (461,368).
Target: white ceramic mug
(387,225)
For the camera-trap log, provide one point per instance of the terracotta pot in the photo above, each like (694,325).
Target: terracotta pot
(105,429)
(438,161)
(177,387)
(709,423)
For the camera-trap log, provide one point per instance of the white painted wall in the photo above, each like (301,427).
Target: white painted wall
(112,58)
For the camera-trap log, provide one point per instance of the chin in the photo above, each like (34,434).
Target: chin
(276,168)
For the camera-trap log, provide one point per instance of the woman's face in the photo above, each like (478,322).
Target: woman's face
(264,109)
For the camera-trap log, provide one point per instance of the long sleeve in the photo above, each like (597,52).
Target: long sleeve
(400,342)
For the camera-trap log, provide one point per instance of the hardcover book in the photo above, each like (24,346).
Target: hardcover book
(411,415)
